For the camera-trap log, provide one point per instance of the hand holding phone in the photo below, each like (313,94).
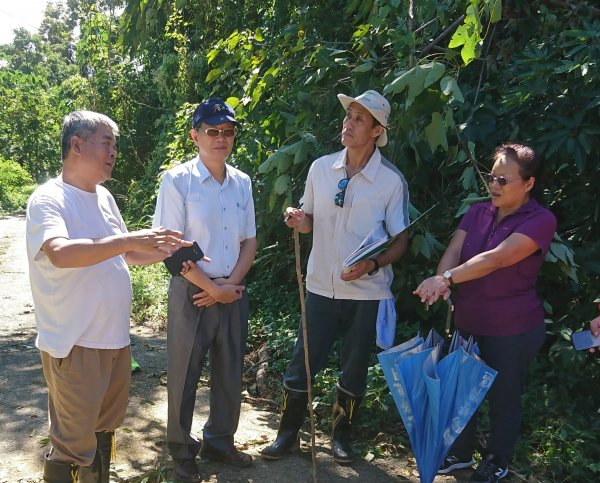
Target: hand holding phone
(584,339)
(174,263)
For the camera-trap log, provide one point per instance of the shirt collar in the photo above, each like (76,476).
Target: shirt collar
(531,205)
(204,173)
(369,171)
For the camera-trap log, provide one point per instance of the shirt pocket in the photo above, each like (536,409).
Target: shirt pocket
(200,213)
(365,214)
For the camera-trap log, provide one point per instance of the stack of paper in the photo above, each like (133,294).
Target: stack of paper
(375,242)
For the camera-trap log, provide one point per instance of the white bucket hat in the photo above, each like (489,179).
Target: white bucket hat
(377,105)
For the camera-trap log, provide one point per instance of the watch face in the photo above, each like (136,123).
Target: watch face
(447,274)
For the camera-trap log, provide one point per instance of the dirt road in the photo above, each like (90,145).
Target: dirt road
(141,440)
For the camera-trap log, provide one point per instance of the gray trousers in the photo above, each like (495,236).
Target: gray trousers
(219,330)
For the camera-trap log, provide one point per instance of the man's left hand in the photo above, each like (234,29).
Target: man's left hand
(358,270)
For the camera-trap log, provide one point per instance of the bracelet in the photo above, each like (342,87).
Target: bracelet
(376,269)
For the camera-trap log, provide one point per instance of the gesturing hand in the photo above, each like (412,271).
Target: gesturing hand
(157,239)
(432,288)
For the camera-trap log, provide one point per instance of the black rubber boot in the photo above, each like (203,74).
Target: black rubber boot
(104,448)
(90,474)
(293,412)
(345,410)
(57,472)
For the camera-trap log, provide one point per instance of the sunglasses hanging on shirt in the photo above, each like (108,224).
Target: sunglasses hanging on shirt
(339,197)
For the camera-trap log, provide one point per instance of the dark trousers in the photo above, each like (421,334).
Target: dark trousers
(511,356)
(219,330)
(354,321)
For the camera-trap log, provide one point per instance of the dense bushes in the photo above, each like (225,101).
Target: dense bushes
(15,186)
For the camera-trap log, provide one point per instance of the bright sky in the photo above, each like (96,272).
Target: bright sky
(20,13)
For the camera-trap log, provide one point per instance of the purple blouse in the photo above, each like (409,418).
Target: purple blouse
(505,301)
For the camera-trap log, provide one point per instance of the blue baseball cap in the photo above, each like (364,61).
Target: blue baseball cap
(213,111)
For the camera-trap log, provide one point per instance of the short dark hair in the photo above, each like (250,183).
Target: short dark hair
(83,124)
(529,160)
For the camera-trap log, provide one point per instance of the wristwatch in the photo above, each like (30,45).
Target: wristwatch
(448,276)
(376,269)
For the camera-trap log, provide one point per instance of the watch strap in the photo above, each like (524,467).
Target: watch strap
(376,269)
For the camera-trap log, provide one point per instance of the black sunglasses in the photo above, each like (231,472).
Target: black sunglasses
(502,181)
(339,198)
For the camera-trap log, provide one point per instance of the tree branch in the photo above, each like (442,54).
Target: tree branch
(483,66)
(443,35)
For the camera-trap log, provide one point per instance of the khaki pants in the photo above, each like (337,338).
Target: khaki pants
(87,393)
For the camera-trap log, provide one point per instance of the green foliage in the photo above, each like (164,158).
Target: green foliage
(29,125)
(15,186)
(274,321)
(150,284)
(560,429)
(495,71)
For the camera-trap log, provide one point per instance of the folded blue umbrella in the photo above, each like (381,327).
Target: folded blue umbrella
(435,396)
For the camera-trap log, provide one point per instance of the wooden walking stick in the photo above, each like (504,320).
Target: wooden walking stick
(306,358)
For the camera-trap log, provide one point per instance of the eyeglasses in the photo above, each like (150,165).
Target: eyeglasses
(502,181)
(213,132)
(339,198)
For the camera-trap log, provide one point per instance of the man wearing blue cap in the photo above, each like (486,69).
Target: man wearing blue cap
(211,203)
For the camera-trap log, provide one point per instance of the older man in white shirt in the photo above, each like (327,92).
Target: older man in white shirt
(211,203)
(78,249)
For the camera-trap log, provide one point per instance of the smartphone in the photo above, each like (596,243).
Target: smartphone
(175,261)
(584,339)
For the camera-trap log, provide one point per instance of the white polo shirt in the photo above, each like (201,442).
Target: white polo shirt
(218,216)
(378,194)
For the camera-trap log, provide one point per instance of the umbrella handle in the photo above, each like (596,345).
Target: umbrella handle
(449,316)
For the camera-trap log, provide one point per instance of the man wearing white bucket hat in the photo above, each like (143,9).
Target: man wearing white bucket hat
(348,195)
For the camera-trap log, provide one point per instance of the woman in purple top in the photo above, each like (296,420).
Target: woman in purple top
(494,259)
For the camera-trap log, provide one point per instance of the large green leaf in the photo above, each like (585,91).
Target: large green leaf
(468,178)
(282,184)
(213,74)
(400,83)
(435,132)
(468,35)
(434,72)
(364,67)
(496,11)
(271,162)
(450,88)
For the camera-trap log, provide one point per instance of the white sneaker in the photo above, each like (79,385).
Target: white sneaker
(452,463)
